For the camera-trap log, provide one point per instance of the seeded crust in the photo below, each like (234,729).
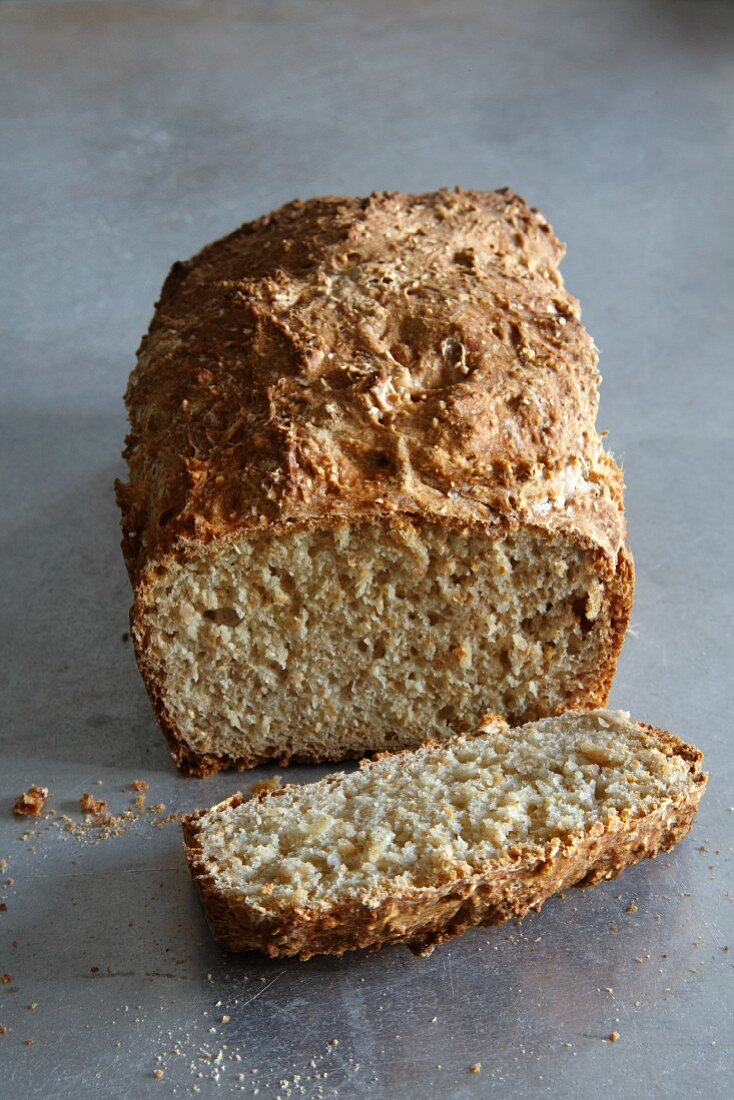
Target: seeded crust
(350,360)
(508,887)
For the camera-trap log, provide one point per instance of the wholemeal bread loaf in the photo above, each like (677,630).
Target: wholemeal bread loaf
(417,846)
(367,502)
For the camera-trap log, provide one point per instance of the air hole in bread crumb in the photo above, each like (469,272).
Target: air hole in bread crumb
(166,516)
(223,616)
(579,610)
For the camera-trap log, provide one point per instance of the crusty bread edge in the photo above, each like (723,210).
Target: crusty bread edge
(520,881)
(201,764)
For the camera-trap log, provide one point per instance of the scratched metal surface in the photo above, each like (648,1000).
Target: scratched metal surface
(136,131)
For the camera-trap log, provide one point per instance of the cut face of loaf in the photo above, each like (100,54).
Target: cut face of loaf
(367,500)
(418,846)
(322,644)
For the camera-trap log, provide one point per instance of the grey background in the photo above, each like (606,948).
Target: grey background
(135,131)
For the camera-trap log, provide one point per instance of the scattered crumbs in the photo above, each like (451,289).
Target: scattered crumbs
(434,1019)
(7,978)
(31,802)
(726,947)
(607,989)
(91,805)
(613,1036)
(3,866)
(265,786)
(614,927)
(632,907)
(3,1030)
(226,1019)
(33,1006)
(3,906)
(138,785)
(475,1068)
(158,1073)
(28,1042)
(158,808)
(334,1043)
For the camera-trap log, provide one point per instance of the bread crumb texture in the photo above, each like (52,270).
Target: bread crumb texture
(367,501)
(523,812)
(327,643)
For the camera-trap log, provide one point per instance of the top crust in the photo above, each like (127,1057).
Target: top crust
(348,358)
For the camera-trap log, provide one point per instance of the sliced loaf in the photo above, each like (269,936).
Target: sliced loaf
(367,501)
(417,846)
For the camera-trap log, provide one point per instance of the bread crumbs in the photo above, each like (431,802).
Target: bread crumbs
(91,805)
(31,802)
(265,786)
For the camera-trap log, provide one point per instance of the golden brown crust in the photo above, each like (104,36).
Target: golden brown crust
(401,353)
(348,359)
(508,888)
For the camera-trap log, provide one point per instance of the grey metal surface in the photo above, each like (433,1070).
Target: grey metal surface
(135,132)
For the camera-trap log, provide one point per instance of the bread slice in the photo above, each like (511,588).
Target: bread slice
(367,501)
(415,847)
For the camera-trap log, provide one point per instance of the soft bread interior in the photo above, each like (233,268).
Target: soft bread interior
(331,642)
(412,821)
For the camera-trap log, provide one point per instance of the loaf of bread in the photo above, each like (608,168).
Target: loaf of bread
(367,502)
(415,847)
